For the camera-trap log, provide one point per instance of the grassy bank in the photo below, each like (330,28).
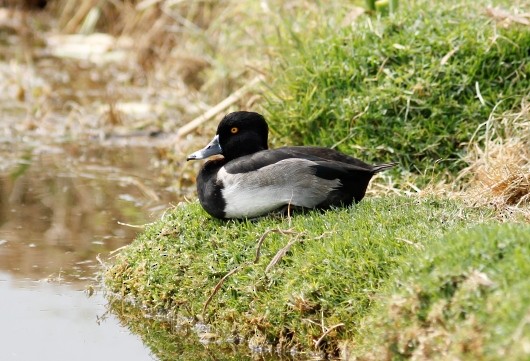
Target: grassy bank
(413,88)
(316,277)
(464,298)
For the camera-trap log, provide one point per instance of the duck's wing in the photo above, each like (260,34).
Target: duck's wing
(256,161)
(256,184)
(327,154)
(323,156)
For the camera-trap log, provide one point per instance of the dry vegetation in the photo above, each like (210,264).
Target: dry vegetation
(203,50)
(123,70)
(499,170)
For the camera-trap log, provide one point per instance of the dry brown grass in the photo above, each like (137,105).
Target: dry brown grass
(213,45)
(184,57)
(112,70)
(499,171)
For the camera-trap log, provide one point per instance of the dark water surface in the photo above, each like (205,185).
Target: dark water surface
(61,208)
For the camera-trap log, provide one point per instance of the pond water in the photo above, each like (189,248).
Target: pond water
(49,321)
(62,208)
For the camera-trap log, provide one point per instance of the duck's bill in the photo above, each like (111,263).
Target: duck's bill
(212,148)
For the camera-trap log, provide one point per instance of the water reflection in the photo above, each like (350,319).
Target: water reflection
(170,341)
(62,207)
(49,322)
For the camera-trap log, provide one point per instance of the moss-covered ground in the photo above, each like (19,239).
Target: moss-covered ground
(312,281)
(465,297)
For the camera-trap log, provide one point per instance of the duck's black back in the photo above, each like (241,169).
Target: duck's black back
(270,156)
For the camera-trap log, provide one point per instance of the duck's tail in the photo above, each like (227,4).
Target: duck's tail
(381,167)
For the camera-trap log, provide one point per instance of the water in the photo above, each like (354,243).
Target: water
(62,208)
(48,321)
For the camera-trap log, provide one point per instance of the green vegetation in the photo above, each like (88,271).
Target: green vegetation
(412,88)
(330,274)
(465,298)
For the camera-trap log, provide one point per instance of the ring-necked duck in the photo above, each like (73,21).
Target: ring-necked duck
(252,180)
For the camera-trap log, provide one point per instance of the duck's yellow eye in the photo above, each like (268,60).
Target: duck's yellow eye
(234,130)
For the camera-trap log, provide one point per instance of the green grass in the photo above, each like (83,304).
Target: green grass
(465,298)
(411,88)
(332,273)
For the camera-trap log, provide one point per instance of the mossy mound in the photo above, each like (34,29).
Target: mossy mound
(313,269)
(466,298)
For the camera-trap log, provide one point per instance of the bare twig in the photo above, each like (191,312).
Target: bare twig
(323,235)
(415,245)
(285,249)
(98,258)
(212,112)
(117,250)
(142,226)
(311,321)
(317,343)
(264,235)
(447,56)
(218,286)
(279,255)
(382,67)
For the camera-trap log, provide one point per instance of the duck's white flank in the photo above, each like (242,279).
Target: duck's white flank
(290,181)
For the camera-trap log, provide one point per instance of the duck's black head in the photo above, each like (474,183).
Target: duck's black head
(238,134)
(242,133)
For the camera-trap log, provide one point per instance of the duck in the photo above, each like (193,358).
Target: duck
(250,180)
